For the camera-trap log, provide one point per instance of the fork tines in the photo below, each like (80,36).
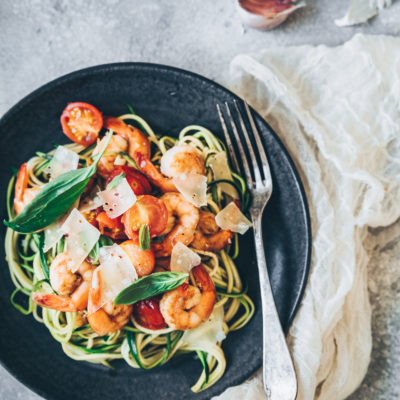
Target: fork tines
(256,176)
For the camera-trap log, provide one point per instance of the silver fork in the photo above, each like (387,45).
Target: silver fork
(278,372)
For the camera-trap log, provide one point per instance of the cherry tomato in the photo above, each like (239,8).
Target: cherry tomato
(147,210)
(111,227)
(81,122)
(143,261)
(139,184)
(147,313)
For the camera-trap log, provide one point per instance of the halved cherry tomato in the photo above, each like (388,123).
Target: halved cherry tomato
(138,183)
(147,210)
(147,313)
(111,227)
(81,122)
(143,260)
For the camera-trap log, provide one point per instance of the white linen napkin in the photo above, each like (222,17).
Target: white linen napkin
(337,110)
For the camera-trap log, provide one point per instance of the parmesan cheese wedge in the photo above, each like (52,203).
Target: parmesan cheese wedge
(116,270)
(80,237)
(183,259)
(232,219)
(118,200)
(208,333)
(64,160)
(52,235)
(220,168)
(193,188)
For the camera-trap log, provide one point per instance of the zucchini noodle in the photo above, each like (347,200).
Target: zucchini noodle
(138,346)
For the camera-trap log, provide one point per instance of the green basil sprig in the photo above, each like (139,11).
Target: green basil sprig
(116,181)
(55,198)
(149,286)
(144,238)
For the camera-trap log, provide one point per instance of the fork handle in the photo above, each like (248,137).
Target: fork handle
(279,375)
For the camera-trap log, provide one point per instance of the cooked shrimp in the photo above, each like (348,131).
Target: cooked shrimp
(110,317)
(208,236)
(73,288)
(23,194)
(143,261)
(187,219)
(187,306)
(137,141)
(106,164)
(180,159)
(154,175)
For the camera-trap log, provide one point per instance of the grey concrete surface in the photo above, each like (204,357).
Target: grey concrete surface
(43,39)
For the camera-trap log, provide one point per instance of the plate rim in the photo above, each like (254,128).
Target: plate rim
(135,65)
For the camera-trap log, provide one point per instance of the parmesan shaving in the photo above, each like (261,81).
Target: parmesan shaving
(183,259)
(118,200)
(220,168)
(193,188)
(80,237)
(232,219)
(209,332)
(64,160)
(116,270)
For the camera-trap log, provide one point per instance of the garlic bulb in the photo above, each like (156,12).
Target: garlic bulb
(266,14)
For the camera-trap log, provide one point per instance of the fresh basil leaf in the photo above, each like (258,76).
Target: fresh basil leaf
(54,199)
(116,181)
(149,286)
(105,241)
(144,238)
(94,253)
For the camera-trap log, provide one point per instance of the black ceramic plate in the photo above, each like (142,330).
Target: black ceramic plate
(168,99)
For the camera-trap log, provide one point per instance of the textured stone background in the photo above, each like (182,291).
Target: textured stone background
(43,39)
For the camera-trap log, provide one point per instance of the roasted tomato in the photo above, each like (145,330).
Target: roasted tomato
(111,227)
(147,313)
(147,210)
(81,122)
(139,184)
(143,261)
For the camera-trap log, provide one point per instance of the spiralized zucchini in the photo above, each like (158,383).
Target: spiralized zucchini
(138,346)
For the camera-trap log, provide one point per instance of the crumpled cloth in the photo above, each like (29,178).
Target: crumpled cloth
(337,110)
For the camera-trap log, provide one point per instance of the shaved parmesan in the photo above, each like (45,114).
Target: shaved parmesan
(193,188)
(183,259)
(118,200)
(64,160)
(232,219)
(91,202)
(208,333)
(80,237)
(116,270)
(52,235)
(220,169)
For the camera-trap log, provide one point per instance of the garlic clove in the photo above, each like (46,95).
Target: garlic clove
(266,14)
